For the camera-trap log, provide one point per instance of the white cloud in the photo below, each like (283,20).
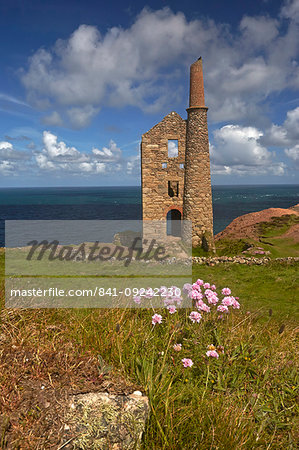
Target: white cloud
(293,154)
(291,10)
(285,134)
(133,165)
(259,31)
(44,163)
(100,167)
(128,66)
(237,151)
(7,152)
(57,157)
(5,145)
(172,149)
(111,153)
(56,149)
(81,117)
(60,159)
(7,168)
(53,119)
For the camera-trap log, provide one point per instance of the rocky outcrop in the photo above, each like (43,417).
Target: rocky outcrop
(104,421)
(246,226)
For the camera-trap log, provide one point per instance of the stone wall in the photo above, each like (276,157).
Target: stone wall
(198,194)
(154,152)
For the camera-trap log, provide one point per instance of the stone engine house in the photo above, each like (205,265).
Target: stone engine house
(175,168)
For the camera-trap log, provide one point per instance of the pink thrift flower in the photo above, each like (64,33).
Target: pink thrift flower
(178,300)
(177,347)
(235,304)
(206,286)
(157,318)
(187,287)
(199,282)
(213,287)
(149,293)
(187,362)
(137,299)
(196,287)
(222,308)
(195,295)
(168,301)
(208,292)
(212,354)
(171,309)
(228,301)
(213,299)
(226,291)
(195,316)
(202,306)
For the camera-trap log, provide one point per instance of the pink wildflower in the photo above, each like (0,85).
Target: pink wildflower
(212,354)
(206,286)
(226,291)
(137,299)
(171,309)
(235,304)
(213,299)
(222,308)
(196,287)
(213,287)
(187,362)
(228,301)
(168,301)
(195,316)
(195,295)
(177,347)
(187,287)
(149,293)
(157,318)
(178,300)
(208,292)
(199,282)
(202,306)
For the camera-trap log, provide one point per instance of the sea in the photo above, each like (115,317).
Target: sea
(124,203)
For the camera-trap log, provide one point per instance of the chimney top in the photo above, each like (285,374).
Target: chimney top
(196,95)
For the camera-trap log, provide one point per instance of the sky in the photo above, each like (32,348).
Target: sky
(81,82)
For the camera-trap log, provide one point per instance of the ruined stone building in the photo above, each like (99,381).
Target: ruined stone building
(175,168)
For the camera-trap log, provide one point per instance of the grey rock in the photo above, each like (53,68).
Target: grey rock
(104,421)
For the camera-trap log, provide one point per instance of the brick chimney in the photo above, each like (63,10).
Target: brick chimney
(197,185)
(196,94)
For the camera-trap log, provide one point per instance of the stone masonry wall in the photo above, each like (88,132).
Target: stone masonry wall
(198,193)
(154,178)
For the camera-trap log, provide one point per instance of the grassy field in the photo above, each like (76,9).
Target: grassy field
(245,399)
(271,236)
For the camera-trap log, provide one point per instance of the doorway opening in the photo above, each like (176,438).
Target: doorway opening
(174,217)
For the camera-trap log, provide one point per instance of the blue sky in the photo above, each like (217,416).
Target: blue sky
(80,83)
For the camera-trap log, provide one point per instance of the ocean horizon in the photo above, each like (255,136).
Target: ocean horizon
(124,202)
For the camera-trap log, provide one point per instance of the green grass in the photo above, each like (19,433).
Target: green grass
(273,286)
(277,226)
(245,399)
(269,237)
